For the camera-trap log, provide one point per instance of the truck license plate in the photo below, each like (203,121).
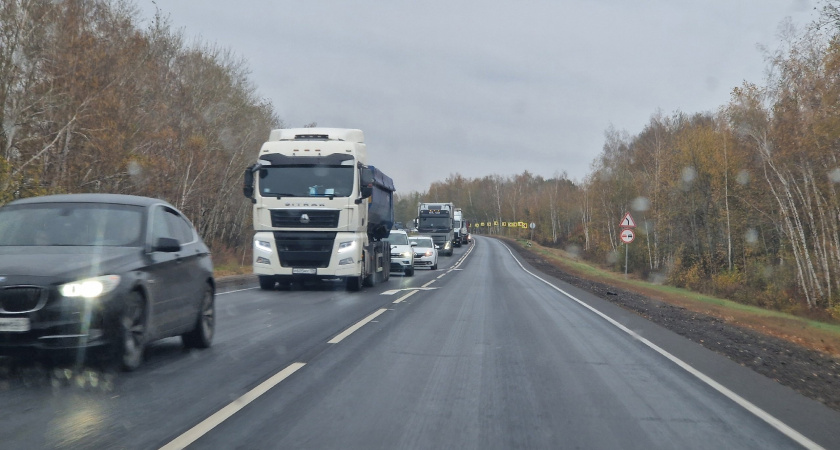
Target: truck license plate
(18,324)
(304,271)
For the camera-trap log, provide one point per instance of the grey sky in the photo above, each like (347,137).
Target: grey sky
(489,87)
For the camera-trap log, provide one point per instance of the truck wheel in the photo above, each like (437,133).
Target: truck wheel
(354,283)
(266,282)
(370,280)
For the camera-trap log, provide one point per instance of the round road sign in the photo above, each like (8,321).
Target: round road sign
(627,235)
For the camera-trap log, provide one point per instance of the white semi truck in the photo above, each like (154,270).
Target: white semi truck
(320,211)
(435,220)
(460,228)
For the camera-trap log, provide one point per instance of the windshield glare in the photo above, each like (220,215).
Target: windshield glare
(306,181)
(71,224)
(423,242)
(397,239)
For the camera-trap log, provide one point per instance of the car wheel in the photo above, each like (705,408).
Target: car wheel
(131,339)
(409,272)
(434,266)
(205,324)
(266,282)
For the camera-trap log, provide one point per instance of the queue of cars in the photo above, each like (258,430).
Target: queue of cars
(410,251)
(101,275)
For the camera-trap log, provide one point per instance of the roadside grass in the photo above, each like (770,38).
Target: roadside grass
(228,262)
(813,334)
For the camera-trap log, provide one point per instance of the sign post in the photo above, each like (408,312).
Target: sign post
(627,235)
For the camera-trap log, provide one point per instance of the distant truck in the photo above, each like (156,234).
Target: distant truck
(320,211)
(460,228)
(436,220)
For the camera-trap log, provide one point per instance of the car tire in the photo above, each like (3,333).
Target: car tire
(205,324)
(266,282)
(409,272)
(131,332)
(434,266)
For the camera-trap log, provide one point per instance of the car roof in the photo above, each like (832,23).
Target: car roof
(120,199)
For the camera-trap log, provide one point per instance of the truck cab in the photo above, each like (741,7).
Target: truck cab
(319,211)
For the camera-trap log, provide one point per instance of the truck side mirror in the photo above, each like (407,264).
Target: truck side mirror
(248,183)
(366,182)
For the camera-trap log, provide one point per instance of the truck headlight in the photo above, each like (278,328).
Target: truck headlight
(263,245)
(347,246)
(90,287)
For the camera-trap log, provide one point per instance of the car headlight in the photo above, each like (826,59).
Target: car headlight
(406,254)
(346,246)
(429,253)
(91,287)
(263,245)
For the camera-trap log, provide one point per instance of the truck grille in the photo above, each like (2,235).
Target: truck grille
(304,218)
(20,299)
(307,249)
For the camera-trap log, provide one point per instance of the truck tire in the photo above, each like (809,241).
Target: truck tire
(266,282)
(370,280)
(354,284)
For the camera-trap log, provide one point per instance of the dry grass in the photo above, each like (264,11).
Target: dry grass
(816,335)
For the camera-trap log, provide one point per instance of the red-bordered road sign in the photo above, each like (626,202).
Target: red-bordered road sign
(627,221)
(627,235)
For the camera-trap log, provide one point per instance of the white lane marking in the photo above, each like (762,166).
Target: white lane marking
(427,284)
(441,275)
(396,291)
(744,403)
(358,325)
(405,296)
(238,290)
(232,408)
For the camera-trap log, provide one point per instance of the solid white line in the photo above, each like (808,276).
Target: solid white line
(405,297)
(232,408)
(358,325)
(744,403)
(238,290)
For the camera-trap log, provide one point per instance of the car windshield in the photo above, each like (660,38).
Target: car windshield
(71,224)
(397,239)
(306,181)
(422,241)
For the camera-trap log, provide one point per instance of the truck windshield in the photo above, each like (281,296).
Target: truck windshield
(306,181)
(434,222)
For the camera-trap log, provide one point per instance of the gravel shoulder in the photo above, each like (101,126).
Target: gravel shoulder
(813,374)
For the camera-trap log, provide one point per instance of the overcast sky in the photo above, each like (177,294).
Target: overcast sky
(489,87)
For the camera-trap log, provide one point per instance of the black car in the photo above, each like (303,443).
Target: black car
(101,274)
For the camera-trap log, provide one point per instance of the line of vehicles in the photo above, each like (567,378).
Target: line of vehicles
(322,212)
(103,275)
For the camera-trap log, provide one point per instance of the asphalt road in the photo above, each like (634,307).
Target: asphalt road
(482,353)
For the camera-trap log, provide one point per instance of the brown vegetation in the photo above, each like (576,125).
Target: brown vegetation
(741,203)
(93,103)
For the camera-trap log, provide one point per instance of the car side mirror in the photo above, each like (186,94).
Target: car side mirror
(414,244)
(168,245)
